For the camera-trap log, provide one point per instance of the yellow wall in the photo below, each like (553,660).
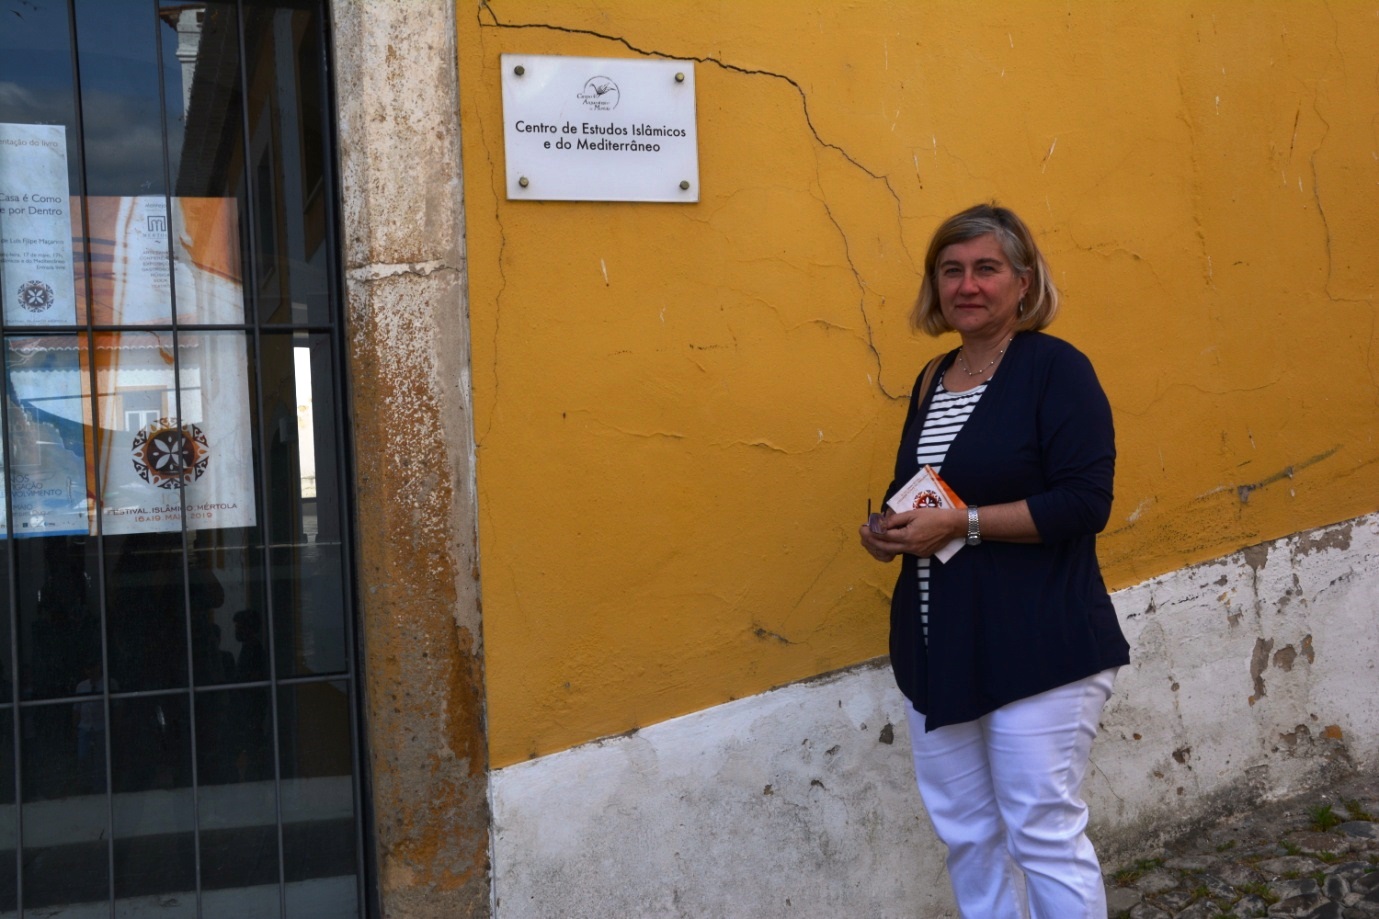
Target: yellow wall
(673,460)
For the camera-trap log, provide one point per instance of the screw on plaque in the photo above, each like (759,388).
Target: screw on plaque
(523,182)
(519,70)
(684,185)
(679,78)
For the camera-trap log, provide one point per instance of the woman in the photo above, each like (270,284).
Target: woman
(1007,651)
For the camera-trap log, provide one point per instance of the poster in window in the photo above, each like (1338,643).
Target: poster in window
(47,438)
(131,283)
(35,221)
(171,422)
(174,430)
(173,410)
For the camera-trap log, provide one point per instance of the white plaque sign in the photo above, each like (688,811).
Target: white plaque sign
(35,226)
(599,129)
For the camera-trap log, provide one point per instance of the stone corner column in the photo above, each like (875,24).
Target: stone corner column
(396,85)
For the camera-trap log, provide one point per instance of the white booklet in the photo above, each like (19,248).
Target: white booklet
(927,489)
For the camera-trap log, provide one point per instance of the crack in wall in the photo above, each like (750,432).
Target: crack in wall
(861,301)
(1317,197)
(376,272)
(485,6)
(843,544)
(498,195)
(1185,99)
(1160,393)
(628,432)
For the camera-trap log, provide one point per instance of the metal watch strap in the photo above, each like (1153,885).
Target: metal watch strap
(974,530)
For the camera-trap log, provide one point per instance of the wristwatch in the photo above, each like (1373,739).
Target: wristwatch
(974,530)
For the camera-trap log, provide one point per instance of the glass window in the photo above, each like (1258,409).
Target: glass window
(177,685)
(307,555)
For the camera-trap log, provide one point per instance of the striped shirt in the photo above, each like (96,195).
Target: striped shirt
(948,412)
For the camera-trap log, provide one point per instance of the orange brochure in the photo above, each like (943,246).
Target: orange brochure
(927,489)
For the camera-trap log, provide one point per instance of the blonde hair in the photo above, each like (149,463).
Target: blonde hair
(1040,303)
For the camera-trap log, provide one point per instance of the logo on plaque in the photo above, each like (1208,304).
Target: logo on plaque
(600,94)
(35,296)
(170,455)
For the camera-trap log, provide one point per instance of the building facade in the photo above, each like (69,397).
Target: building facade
(377,544)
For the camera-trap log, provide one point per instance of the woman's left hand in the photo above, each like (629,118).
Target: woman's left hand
(921,532)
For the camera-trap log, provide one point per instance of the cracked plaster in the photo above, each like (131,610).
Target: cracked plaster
(622,350)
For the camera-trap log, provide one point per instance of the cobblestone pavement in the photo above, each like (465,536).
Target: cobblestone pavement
(1315,856)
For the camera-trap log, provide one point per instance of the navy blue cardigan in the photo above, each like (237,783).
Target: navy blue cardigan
(1010,620)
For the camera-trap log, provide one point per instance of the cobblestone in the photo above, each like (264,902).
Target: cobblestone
(1315,856)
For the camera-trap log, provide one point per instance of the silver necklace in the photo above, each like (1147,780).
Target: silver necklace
(967,368)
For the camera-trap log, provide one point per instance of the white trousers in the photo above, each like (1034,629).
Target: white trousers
(1004,794)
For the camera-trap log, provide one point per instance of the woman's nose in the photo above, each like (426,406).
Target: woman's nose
(968,282)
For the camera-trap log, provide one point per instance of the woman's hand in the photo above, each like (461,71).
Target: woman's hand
(920,532)
(871,543)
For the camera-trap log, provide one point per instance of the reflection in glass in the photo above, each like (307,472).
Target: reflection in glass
(7,664)
(229,640)
(122,114)
(46,444)
(287,162)
(9,814)
(128,239)
(66,820)
(134,228)
(146,628)
(59,626)
(46,449)
(239,837)
(309,610)
(317,797)
(39,158)
(156,596)
(151,775)
(201,76)
(301,445)
(36,59)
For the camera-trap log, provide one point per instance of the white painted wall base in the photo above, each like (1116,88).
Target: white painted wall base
(1252,676)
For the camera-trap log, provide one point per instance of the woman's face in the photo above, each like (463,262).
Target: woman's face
(979,290)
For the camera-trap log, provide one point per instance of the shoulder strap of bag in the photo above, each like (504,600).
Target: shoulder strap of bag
(927,380)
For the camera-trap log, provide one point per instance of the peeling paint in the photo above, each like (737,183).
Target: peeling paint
(1259,662)
(1337,538)
(790,794)
(1284,657)
(1256,557)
